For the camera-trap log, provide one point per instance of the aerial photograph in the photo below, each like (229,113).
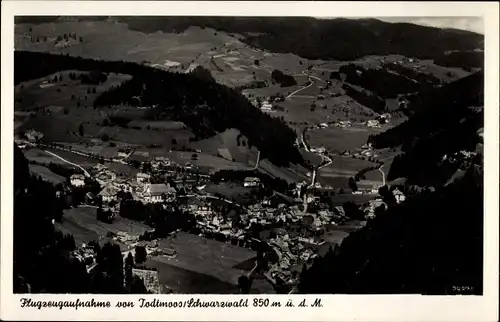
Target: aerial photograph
(247,155)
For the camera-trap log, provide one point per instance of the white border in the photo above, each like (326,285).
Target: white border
(338,308)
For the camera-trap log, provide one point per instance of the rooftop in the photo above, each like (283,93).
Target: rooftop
(160,188)
(108,191)
(252,179)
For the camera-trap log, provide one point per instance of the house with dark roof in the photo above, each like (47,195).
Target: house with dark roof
(159,192)
(108,193)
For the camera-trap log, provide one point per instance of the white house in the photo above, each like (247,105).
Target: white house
(251,182)
(77,180)
(266,106)
(400,197)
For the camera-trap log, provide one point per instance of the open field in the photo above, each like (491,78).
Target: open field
(84,226)
(122,170)
(60,110)
(40,156)
(216,163)
(234,145)
(227,189)
(158,125)
(176,52)
(338,140)
(185,281)
(218,258)
(347,164)
(46,174)
(62,107)
(289,175)
(37,93)
(82,161)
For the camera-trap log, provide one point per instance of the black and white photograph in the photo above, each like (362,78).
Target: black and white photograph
(248,155)
(252,155)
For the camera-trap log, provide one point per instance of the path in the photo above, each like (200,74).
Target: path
(383,175)
(302,88)
(250,274)
(69,162)
(316,169)
(258,160)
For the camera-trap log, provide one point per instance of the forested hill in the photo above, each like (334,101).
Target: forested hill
(433,110)
(43,260)
(341,39)
(203,105)
(445,121)
(427,245)
(433,241)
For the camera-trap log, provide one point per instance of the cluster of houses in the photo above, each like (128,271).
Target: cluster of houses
(33,136)
(141,187)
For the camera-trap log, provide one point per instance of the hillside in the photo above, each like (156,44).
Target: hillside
(427,245)
(43,255)
(338,39)
(445,121)
(431,242)
(341,39)
(203,105)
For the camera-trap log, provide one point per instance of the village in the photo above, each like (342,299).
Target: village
(289,230)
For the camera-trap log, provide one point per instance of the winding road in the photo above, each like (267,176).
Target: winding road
(69,162)
(383,174)
(302,88)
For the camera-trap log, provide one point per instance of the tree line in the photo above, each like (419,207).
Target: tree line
(385,83)
(205,106)
(283,79)
(425,245)
(336,39)
(43,260)
(463,59)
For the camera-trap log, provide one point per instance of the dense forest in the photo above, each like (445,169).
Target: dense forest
(43,261)
(283,79)
(426,245)
(202,104)
(386,83)
(434,109)
(312,38)
(365,98)
(463,59)
(340,39)
(411,73)
(434,240)
(422,162)
(443,123)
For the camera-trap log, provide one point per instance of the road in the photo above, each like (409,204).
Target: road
(69,162)
(302,88)
(317,168)
(258,160)
(383,175)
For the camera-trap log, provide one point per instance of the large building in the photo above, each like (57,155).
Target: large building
(77,180)
(108,193)
(159,192)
